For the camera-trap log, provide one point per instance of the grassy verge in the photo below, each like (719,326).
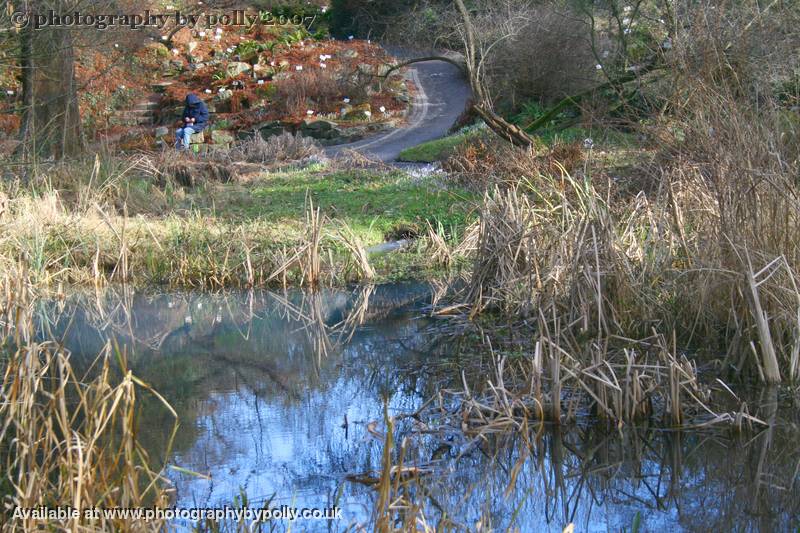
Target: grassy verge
(439,149)
(112,222)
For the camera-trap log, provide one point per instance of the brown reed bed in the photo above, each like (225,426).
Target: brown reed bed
(69,440)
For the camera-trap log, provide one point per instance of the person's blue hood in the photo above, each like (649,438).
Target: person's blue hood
(192,99)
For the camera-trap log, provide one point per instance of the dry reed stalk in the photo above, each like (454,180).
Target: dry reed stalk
(438,250)
(70,440)
(312,266)
(358,252)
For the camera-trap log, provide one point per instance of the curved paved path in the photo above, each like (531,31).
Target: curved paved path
(442,95)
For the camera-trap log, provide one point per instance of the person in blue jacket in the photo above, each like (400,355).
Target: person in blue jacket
(195,119)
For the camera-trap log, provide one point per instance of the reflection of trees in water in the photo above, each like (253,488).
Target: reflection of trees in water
(699,481)
(245,364)
(262,382)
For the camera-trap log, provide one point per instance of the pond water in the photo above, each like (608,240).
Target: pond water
(280,396)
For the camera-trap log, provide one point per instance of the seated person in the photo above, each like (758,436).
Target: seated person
(195,119)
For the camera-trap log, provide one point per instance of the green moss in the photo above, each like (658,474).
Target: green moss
(439,149)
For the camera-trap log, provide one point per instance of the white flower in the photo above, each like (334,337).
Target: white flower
(208,91)
(627,9)
(588,143)
(298,67)
(272,63)
(163,37)
(350,38)
(217,37)
(229,50)
(222,89)
(10,92)
(324,9)
(383,109)
(202,34)
(116,45)
(626,21)
(598,66)
(218,31)
(323,65)
(122,87)
(309,112)
(368,113)
(346,100)
(261,82)
(626,31)
(175,51)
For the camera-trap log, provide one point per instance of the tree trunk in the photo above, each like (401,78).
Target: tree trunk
(51,124)
(483,102)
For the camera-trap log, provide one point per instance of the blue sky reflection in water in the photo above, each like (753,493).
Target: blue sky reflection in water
(280,395)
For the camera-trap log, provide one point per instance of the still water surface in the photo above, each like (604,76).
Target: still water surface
(280,396)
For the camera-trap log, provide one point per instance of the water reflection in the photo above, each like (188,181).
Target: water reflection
(275,392)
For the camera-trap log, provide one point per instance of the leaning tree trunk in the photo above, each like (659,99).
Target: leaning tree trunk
(51,124)
(482,101)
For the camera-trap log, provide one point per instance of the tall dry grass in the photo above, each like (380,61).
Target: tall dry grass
(110,222)
(69,440)
(701,245)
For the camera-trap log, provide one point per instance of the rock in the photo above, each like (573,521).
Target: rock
(159,49)
(366,68)
(403,98)
(221,137)
(161,86)
(270,129)
(245,135)
(171,67)
(234,68)
(161,131)
(260,68)
(197,138)
(310,124)
(320,129)
(360,112)
(348,54)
